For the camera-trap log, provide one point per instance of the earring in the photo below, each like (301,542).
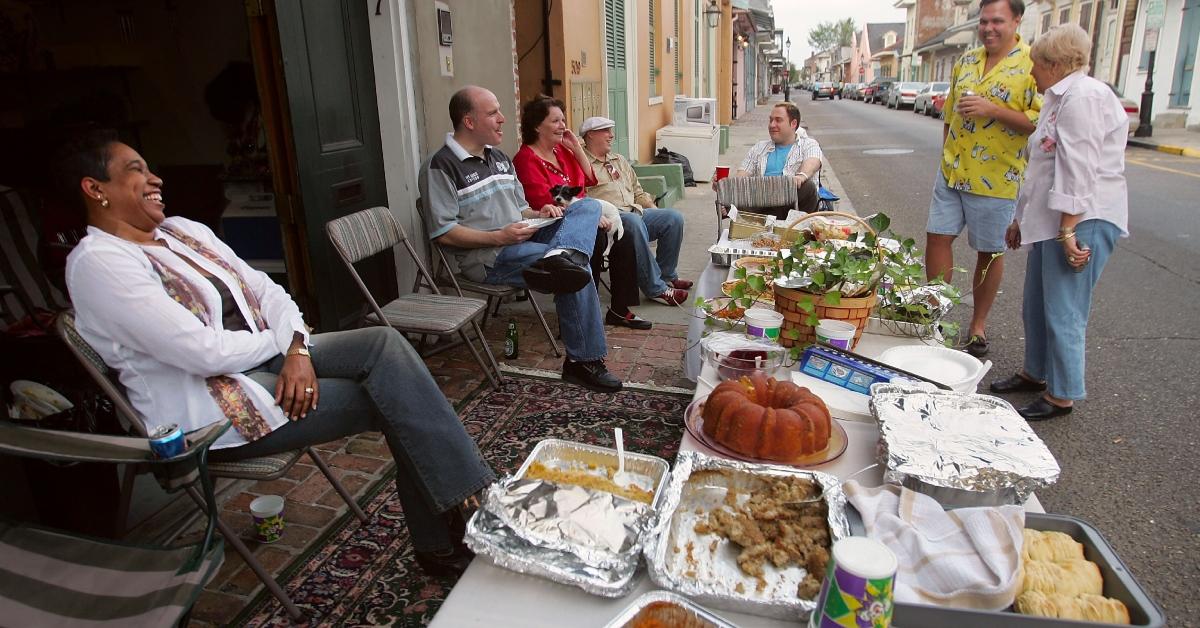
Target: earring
(104,202)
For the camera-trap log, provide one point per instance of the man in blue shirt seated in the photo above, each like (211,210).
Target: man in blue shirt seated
(789,153)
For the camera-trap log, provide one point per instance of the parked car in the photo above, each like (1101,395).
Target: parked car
(883,92)
(924,102)
(1131,108)
(939,102)
(851,90)
(822,90)
(904,94)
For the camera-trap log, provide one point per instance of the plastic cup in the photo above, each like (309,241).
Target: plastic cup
(763,323)
(837,333)
(861,569)
(268,518)
(722,173)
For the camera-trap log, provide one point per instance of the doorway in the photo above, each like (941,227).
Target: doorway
(1185,61)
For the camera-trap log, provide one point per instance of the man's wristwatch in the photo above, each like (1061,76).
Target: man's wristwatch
(300,351)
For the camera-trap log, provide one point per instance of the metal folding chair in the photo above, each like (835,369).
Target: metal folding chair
(263,468)
(371,231)
(495,293)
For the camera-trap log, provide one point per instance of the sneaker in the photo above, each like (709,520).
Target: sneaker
(681,284)
(630,320)
(977,346)
(449,563)
(558,274)
(591,375)
(674,296)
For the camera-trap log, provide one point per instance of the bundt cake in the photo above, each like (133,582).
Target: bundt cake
(767,419)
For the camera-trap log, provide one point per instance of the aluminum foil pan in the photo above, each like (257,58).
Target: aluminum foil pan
(712,576)
(570,534)
(936,303)
(698,614)
(961,449)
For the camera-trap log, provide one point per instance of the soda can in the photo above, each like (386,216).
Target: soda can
(166,441)
(858,587)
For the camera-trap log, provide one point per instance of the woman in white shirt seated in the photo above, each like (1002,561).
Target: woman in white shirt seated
(1072,208)
(195,333)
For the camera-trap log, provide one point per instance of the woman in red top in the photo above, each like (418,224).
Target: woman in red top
(551,155)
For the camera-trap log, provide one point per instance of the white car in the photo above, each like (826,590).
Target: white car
(924,102)
(903,94)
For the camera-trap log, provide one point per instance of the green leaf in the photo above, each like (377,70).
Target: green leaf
(739,273)
(833,297)
(806,305)
(739,290)
(756,283)
(879,222)
(745,302)
(819,278)
(791,334)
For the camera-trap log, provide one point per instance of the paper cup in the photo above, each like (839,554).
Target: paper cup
(858,586)
(837,333)
(722,173)
(268,518)
(763,322)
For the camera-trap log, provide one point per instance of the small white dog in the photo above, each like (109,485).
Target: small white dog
(564,195)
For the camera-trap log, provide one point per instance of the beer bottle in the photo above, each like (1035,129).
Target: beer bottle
(511,346)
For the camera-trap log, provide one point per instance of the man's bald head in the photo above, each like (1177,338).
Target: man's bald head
(463,103)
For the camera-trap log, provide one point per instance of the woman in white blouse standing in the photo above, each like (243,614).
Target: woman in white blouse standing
(195,333)
(1072,208)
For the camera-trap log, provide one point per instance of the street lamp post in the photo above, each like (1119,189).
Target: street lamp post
(787,70)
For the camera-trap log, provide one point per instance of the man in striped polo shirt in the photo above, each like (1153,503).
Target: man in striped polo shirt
(789,153)
(477,211)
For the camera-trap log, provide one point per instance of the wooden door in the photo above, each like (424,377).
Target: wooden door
(618,73)
(325,48)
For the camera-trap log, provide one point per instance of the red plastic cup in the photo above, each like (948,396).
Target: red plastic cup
(722,173)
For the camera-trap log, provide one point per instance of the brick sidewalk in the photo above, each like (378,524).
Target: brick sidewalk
(647,357)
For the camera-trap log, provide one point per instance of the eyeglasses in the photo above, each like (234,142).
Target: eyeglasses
(612,170)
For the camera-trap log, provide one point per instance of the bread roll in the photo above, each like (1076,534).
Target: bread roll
(1081,607)
(1050,546)
(1067,577)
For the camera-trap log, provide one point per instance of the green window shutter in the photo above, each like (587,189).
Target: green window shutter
(614,33)
(653,49)
(678,48)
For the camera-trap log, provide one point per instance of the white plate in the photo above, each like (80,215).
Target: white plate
(38,397)
(540,222)
(956,369)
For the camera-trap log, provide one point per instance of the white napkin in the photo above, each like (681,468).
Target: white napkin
(965,558)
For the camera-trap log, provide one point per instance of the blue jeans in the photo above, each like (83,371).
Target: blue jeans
(372,379)
(1056,307)
(578,312)
(666,226)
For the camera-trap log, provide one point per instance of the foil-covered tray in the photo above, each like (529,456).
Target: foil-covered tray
(698,615)
(565,531)
(961,449)
(704,566)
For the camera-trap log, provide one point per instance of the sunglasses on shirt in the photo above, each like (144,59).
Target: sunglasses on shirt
(612,170)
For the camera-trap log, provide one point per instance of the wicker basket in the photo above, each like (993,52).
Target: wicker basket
(854,310)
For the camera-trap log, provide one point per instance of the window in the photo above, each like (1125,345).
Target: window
(1085,16)
(652,32)
(1064,15)
(1045,22)
(889,38)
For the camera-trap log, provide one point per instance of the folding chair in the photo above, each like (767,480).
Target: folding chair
(749,193)
(263,468)
(55,578)
(371,231)
(495,293)
(826,200)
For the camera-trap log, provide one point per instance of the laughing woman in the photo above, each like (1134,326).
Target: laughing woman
(196,333)
(1072,208)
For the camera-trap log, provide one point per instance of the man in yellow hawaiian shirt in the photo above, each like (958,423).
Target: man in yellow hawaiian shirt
(991,109)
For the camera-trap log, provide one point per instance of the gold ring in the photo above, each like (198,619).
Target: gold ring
(309,390)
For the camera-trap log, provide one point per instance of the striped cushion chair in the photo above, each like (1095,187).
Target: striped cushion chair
(750,193)
(264,468)
(23,286)
(372,231)
(54,578)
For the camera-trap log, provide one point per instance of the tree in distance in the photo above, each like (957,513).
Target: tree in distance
(828,35)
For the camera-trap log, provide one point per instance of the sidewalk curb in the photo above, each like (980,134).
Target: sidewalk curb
(1165,148)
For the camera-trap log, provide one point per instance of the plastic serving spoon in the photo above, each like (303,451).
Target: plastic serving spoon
(621,478)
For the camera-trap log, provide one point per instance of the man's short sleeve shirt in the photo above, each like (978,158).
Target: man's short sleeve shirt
(482,193)
(982,155)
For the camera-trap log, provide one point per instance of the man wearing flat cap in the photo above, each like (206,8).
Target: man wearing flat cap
(618,184)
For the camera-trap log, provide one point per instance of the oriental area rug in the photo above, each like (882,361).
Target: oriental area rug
(366,574)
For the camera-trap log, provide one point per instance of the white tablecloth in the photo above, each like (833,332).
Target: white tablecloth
(490,596)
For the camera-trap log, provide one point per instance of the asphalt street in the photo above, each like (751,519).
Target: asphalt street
(1129,452)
